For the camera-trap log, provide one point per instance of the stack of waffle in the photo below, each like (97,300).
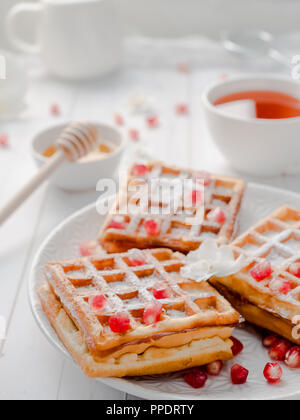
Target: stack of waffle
(134,314)
(267,290)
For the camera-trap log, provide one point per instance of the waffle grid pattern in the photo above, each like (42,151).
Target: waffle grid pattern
(277,240)
(176,230)
(129,289)
(154,360)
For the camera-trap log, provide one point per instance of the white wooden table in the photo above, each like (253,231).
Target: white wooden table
(30,368)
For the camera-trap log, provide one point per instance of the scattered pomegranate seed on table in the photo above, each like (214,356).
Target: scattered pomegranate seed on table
(160,291)
(295,269)
(261,271)
(292,357)
(224,76)
(152,227)
(217,216)
(196,378)
(272,372)
(55,110)
(214,368)
(182,109)
(279,350)
(119,120)
(153,121)
(4,140)
(139,170)
(280,286)
(134,134)
(237,346)
(183,67)
(270,340)
(119,323)
(239,374)
(152,314)
(97,302)
(88,248)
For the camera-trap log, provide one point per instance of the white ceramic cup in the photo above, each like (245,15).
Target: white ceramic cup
(252,145)
(77,39)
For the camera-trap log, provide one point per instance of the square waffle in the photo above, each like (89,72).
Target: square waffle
(175,229)
(271,298)
(193,314)
(155,360)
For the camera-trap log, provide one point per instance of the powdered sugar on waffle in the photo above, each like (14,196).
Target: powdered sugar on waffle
(277,240)
(128,289)
(181,202)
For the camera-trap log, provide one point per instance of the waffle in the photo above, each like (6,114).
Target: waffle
(176,229)
(154,360)
(193,314)
(277,240)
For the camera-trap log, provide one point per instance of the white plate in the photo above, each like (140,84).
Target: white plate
(63,243)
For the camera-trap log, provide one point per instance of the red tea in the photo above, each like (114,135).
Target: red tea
(268,104)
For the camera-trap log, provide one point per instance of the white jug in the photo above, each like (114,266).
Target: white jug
(77,39)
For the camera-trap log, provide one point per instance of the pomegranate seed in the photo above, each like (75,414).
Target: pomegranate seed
(203,178)
(136,262)
(97,302)
(55,110)
(196,378)
(261,271)
(119,323)
(160,291)
(152,314)
(88,248)
(279,350)
(196,197)
(223,76)
(239,374)
(117,223)
(280,286)
(217,216)
(3,140)
(119,120)
(292,357)
(139,170)
(272,373)
(183,67)
(152,227)
(237,346)
(153,121)
(134,134)
(182,109)
(270,340)
(295,269)
(214,368)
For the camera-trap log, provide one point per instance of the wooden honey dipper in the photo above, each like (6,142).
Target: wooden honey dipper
(75,142)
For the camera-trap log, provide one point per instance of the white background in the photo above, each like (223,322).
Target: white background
(30,367)
(206,17)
